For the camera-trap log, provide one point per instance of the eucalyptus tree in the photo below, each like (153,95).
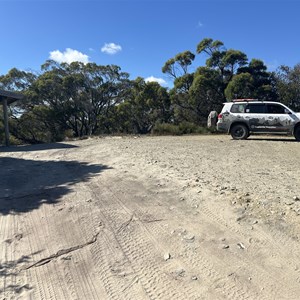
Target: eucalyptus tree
(178,69)
(219,58)
(288,86)
(252,81)
(178,66)
(17,80)
(79,96)
(147,103)
(205,94)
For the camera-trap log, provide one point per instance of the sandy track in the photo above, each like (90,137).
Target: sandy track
(198,217)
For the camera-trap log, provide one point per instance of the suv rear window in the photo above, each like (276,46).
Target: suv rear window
(238,108)
(256,108)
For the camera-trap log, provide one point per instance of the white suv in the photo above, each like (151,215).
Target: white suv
(244,116)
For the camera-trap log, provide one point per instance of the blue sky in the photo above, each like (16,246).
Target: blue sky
(140,36)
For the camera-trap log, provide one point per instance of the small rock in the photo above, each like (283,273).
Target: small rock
(296,198)
(167,256)
(240,218)
(225,246)
(289,202)
(189,238)
(194,277)
(241,246)
(180,272)
(18,236)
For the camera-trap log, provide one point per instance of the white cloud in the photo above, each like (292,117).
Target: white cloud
(200,24)
(111,48)
(68,56)
(154,79)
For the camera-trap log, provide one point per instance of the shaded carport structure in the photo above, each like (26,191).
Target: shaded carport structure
(6,98)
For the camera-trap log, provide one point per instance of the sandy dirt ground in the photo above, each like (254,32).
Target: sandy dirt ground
(193,217)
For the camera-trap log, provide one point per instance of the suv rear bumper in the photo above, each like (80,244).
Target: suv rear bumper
(221,127)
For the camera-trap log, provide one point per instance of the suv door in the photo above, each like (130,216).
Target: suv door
(255,115)
(280,119)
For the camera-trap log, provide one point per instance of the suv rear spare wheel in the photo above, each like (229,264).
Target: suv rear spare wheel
(239,132)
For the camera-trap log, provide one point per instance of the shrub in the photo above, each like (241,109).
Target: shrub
(165,129)
(182,128)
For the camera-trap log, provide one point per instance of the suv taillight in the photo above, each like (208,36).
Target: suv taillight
(220,116)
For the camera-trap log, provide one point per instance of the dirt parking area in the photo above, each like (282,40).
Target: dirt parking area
(191,217)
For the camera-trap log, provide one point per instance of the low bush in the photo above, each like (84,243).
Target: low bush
(182,128)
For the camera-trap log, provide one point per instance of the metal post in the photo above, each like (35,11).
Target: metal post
(5,118)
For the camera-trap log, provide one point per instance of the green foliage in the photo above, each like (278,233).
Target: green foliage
(261,84)
(16,80)
(209,46)
(146,104)
(178,66)
(252,81)
(166,129)
(206,93)
(36,126)
(79,95)
(180,129)
(288,86)
(241,86)
(2,135)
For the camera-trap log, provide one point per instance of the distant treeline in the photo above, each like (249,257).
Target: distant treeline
(76,100)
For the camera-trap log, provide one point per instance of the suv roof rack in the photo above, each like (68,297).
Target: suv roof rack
(244,100)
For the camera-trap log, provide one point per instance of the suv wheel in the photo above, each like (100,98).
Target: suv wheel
(239,132)
(297,133)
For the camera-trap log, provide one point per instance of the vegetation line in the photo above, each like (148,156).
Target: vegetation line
(75,100)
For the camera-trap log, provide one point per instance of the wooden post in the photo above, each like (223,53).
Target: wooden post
(5,118)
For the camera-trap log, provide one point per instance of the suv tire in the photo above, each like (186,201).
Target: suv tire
(297,133)
(239,132)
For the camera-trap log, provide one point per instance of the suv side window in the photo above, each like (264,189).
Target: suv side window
(256,108)
(238,108)
(275,109)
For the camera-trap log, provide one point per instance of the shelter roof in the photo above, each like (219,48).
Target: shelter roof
(10,96)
